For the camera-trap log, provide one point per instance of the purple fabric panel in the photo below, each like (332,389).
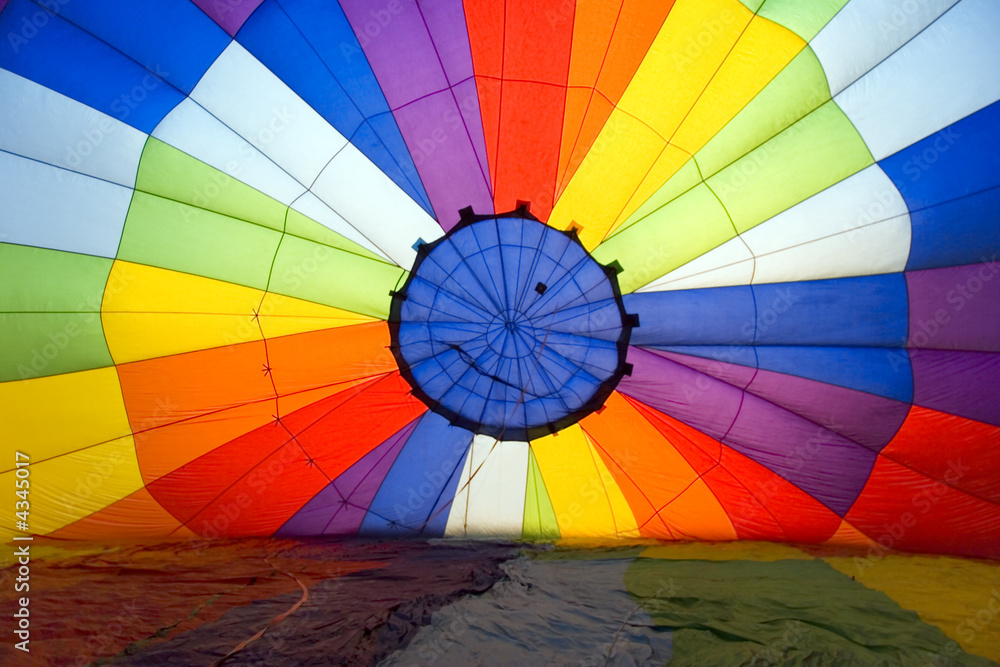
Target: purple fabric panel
(448,165)
(865,418)
(445,21)
(3,3)
(827,466)
(961,383)
(229,14)
(341,506)
(694,398)
(442,128)
(388,31)
(468,103)
(734,374)
(957,308)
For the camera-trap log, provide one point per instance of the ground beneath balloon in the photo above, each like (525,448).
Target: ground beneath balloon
(394,603)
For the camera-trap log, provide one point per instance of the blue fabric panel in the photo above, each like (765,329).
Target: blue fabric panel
(422,481)
(949,182)
(869,311)
(716,316)
(864,369)
(311,46)
(154,32)
(68,60)
(743,355)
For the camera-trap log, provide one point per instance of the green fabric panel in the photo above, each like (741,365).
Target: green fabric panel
(39,280)
(687,227)
(752,5)
(49,312)
(38,344)
(173,174)
(805,19)
(787,612)
(321,274)
(686,178)
(798,89)
(539,516)
(164,233)
(307,228)
(822,149)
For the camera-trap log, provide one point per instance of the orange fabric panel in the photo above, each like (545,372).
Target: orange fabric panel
(317,358)
(666,495)
(164,390)
(903,509)
(138,516)
(949,447)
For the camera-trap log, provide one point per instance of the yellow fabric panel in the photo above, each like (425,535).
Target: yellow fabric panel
(150,312)
(955,594)
(625,150)
(693,42)
(50,416)
(670,162)
(686,178)
(284,315)
(580,497)
(67,488)
(764,49)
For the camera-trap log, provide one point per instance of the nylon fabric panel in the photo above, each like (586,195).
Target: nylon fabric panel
(312,60)
(152,34)
(586,499)
(41,124)
(416,497)
(491,491)
(69,60)
(950,183)
(664,492)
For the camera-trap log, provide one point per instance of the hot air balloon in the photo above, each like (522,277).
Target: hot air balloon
(683,270)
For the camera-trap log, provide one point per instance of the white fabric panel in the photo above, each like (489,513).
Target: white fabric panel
(858,227)
(368,199)
(942,75)
(310,206)
(49,207)
(193,130)
(259,107)
(865,32)
(729,264)
(42,124)
(490,497)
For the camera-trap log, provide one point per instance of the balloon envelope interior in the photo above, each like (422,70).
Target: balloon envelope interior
(684,270)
